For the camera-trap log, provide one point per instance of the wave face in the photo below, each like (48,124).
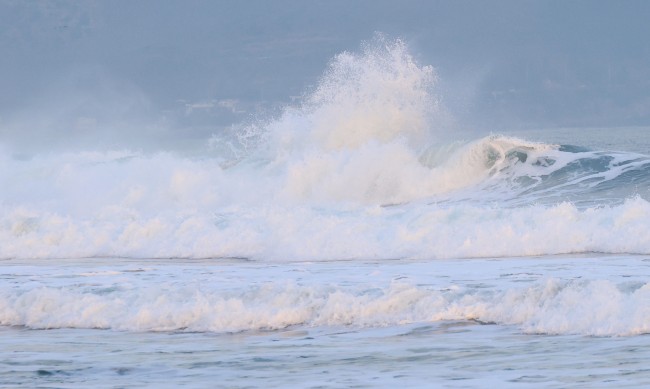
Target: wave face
(358,170)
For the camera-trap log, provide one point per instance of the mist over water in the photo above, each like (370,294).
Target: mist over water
(153,76)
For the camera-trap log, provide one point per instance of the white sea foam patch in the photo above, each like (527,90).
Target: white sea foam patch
(275,233)
(554,306)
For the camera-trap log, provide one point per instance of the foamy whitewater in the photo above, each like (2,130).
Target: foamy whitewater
(352,240)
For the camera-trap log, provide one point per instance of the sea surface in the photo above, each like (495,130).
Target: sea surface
(354,240)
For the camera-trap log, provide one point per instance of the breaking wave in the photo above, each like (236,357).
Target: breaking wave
(358,170)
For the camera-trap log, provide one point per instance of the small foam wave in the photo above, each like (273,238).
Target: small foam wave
(590,307)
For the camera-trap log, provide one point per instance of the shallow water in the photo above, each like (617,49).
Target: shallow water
(454,354)
(381,347)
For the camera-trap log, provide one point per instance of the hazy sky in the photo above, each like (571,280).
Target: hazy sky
(151,71)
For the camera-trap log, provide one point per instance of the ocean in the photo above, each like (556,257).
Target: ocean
(353,240)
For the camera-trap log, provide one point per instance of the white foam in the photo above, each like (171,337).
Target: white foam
(596,307)
(306,233)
